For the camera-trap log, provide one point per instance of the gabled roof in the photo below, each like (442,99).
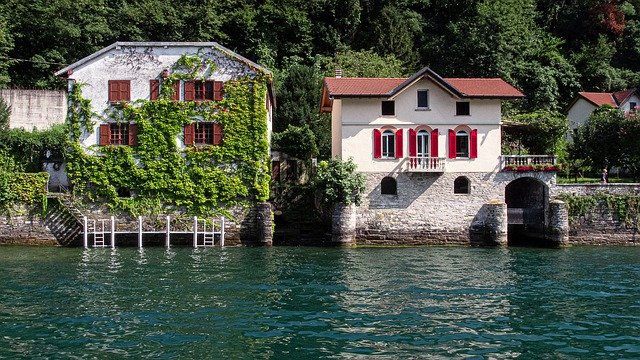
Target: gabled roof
(96,55)
(599,99)
(339,87)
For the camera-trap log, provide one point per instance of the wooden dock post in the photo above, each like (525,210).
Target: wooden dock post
(167,240)
(140,232)
(113,232)
(195,231)
(85,236)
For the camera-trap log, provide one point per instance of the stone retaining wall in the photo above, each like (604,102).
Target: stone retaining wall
(25,227)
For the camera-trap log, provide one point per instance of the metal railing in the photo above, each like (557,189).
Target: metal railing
(425,164)
(527,160)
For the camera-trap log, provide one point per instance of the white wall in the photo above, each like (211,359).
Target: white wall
(140,65)
(580,112)
(626,105)
(361,115)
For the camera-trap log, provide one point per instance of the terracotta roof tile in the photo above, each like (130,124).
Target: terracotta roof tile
(599,99)
(621,96)
(361,86)
(484,87)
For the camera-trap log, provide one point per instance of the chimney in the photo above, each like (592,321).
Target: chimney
(338,73)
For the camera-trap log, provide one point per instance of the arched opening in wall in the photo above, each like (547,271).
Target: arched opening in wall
(388,186)
(526,198)
(461,185)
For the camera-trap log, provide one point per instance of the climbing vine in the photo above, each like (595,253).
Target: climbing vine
(158,175)
(625,207)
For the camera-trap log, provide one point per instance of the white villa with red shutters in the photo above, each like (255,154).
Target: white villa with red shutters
(430,148)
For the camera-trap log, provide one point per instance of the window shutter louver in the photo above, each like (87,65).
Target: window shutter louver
(105,134)
(452,144)
(133,134)
(217,134)
(377,143)
(434,143)
(189,131)
(473,144)
(399,144)
(217,90)
(412,142)
(125,90)
(113,90)
(154,93)
(176,91)
(189,90)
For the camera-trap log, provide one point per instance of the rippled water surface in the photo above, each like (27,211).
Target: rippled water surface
(306,303)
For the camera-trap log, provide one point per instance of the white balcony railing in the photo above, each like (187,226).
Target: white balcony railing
(425,164)
(527,160)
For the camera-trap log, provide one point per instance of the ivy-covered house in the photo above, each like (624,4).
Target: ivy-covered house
(157,127)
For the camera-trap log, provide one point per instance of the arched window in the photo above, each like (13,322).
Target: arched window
(462,144)
(461,185)
(422,143)
(388,186)
(388,144)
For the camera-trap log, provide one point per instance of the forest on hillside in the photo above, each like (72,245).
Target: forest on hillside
(550,49)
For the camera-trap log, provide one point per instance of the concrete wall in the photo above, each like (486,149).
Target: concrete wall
(38,109)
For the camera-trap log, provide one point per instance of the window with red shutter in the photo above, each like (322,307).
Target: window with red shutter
(105,135)
(452,144)
(189,134)
(434,143)
(217,90)
(154,92)
(119,134)
(119,90)
(412,142)
(473,144)
(217,134)
(133,134)
(399,144)
(377,143)
(176,91)
(189,90)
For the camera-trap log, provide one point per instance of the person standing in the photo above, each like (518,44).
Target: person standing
(603,177)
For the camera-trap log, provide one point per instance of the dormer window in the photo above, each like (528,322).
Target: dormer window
(423,99)
(388,108)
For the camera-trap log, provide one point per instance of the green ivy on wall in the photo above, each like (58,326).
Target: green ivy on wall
(199,180)
(19,187)
(625,207)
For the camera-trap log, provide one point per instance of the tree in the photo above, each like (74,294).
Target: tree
(630,144)
(541,132)
(365,63)
(597,141)
(337,181)
(297,141)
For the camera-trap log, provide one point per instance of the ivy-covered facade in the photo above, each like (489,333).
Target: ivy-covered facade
(160,127)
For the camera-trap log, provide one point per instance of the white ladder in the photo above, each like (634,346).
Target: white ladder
(208,238)
(98,234)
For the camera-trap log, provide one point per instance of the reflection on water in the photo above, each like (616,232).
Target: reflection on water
(272,303)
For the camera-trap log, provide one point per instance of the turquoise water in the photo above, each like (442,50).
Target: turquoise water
(308,303)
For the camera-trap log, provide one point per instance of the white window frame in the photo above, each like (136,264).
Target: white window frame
(459,135)
(388,143)
(423,140)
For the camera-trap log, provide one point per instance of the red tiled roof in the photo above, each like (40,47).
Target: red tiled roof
(599,99)
(484,87)
(621,96)
(361,86)
(471,87)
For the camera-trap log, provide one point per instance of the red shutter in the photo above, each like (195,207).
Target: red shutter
(399,144)
(217,134)
(105,134)
(434,143)
(473,144)
(412,142)
(125,90)
(189,134)
(452,144)
(176,90)
(113,90)
(189,90)
(155,89)
(217,90)
(377,143)
(133,134)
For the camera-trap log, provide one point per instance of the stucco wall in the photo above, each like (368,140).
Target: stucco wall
(358,117)
(580,112)
(38,109)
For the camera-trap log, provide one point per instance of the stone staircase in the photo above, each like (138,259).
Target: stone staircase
(64,220)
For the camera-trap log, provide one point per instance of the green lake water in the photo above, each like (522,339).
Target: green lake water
(309,303)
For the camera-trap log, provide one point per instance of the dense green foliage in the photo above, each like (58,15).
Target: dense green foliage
(200,180)
(28,148)
(608,139)
(17,186)
(297,141)
(626,208)
(541,132)
(337,181)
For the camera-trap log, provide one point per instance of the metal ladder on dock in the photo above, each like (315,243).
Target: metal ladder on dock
(98,233)
(209,237)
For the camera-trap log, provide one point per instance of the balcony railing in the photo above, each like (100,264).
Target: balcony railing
(525,161)
(425,164)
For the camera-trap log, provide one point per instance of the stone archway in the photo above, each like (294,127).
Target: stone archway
(527,199)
